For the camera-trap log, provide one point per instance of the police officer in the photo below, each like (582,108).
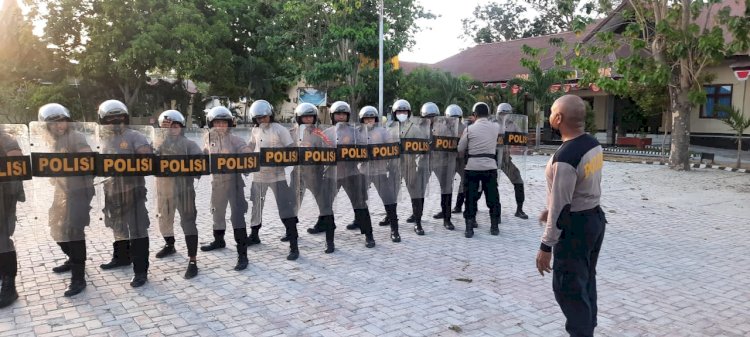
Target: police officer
(177,193)
(574,222)
(319,179)
(384,174)
(442,163)
(227,189)
(414,168)
(455,111)
(125,197)
(269,134)
(479,142)
(69,212)
(348,175)
(510,169)
(10,194)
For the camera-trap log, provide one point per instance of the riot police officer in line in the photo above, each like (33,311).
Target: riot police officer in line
(383,173)
(270,135)
(510,169)
(479,142)
(319,179)
(177,193)
(455,111)
(69,212)
(11,192)
(227,189)
(442,163)
(125,196)
(348,175)
(414,167)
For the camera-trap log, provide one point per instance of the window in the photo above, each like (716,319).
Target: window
(716,95)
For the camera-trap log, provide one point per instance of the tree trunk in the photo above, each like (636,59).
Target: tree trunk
(739,149)
(538,129)
(679,157)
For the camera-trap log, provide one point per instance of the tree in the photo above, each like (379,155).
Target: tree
(538,83)
(440,87)
(738,123)
(334,43)
(671,44)
(117,45)
(509,20)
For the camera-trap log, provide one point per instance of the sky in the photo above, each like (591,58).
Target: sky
(439,37)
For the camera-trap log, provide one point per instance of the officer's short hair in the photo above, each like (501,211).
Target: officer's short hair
(481,109)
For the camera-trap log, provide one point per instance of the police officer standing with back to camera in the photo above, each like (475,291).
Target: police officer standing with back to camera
(125,196)
(574,221)
(11,192)
(479,142)
(227,189)
(69,212)
(509,169)
(177,193)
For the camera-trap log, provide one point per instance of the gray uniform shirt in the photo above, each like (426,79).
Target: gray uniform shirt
(574,177)
(272,135)
(480,138)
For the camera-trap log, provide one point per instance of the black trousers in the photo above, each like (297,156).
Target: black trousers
(574,269)
(488,179)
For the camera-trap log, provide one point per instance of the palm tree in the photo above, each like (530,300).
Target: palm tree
(738,123)
(538,83)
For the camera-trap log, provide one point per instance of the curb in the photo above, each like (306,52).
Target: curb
(637,161)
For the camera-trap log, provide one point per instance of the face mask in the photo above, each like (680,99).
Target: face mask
(402,118)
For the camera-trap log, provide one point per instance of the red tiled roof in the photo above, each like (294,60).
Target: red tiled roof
(408,67)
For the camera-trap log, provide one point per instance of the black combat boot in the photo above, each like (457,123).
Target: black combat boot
(120,255)
(8,271)
(291,231)
(240,237)
(494,229)
(445,206)
(459,203)
(65,267)
(417,207)
(254,239)
(470,225)
(218,242)
(520,196)
(317,227)
(77,281)
(168,248)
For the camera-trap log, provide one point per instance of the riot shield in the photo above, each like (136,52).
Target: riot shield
(415,155)
(63,159)
(383,169)
(15,167)
(351,151)
(444,149)
(278,157)
(316,171)
(178,162)
(231,159)
(512,158)
(125,159)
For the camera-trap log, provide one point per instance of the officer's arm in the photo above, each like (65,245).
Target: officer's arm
(145,149)
(559,197)
(463,143)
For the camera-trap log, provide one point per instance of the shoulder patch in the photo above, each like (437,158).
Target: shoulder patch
(572,151)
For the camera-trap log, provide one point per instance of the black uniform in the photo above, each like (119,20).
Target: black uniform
(575,228)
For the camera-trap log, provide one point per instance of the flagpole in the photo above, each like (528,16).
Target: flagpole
(380,65)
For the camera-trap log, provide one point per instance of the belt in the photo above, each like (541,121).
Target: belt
(591,211)
(484,155)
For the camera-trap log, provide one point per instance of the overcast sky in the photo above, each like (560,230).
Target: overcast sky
(440,37)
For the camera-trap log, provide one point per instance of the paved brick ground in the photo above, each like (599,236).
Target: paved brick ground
(674,263)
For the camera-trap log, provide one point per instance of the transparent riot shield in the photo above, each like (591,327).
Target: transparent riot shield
(415,159)
(316,172)
(444,147)
(383,170)
(278,157)
(15,167)
(512,158)
(63,159)
(231,160)
(178,162)
(125,159)
(351,151)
